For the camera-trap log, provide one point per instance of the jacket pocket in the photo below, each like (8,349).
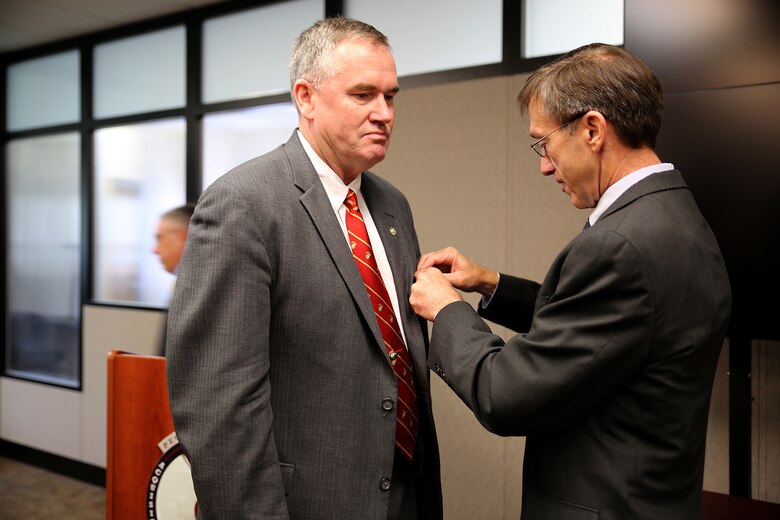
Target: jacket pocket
(287,476)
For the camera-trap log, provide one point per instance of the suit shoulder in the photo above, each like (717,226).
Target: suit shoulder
(267,164)
(267,175)
(373,181)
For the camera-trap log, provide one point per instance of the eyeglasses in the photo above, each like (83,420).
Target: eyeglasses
(541,147)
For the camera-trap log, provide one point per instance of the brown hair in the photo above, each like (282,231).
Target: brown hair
(604,78)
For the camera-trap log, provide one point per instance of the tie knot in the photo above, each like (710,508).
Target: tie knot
(351,200)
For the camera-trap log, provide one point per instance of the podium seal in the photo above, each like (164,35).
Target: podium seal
(170,494)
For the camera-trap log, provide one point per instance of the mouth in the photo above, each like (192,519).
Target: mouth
(378,135)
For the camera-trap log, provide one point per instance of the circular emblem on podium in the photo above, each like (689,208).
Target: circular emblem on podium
(171,495)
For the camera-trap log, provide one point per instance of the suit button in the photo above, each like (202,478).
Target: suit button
(385,484)
(387,404)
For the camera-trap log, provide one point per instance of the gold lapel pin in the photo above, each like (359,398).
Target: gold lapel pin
(393,231)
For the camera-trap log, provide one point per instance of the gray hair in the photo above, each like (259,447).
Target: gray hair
(312,51)
(181,215)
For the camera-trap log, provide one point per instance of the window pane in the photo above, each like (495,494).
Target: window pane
(439,35)
(43,92)
(140,74)
(247,54)
(139,175)
(575,24)
(231,138)
(43,258)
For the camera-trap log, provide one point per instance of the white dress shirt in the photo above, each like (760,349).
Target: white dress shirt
(620,187)
(337,192)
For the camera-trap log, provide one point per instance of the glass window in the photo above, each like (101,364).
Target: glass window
(442,34)
(44,226)
(139,175)
(43,92)
(247,54)
(231,138)
(575,24)
(140,74)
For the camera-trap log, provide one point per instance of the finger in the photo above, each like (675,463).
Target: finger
(442,259)
(429,260)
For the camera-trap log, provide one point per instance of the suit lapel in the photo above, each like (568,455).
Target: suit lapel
(401,254)
(384,220)
(316,202)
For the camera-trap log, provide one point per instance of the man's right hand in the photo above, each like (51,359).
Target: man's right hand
(460,271)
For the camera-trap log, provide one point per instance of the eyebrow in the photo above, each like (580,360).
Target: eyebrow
(368,87)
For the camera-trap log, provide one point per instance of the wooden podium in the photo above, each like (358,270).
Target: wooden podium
(141,444)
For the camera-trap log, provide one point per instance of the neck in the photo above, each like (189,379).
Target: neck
(626,161)
(345,175)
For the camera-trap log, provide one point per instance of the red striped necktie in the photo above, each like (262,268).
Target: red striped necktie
(406,409)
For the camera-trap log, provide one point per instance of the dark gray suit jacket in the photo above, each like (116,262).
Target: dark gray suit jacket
(611,378)
(277,371)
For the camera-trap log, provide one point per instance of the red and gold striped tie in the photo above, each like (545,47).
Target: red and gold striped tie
(406,409)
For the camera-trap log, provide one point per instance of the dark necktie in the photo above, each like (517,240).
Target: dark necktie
(406,409)
(587,225)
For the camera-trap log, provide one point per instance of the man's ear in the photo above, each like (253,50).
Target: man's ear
(303,94)
(596,126)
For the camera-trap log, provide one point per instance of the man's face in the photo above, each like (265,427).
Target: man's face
(170,239)
(352,112)
(568,159)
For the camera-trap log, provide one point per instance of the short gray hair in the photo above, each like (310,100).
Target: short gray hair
(181,215)
(313,49)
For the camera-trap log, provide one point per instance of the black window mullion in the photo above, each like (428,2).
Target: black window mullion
(512,37)
(194,109)
(334,8)
(86,73)
(4,206)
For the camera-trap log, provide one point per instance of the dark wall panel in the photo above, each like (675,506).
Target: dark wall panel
(706,44)
(719,64)
(727,145)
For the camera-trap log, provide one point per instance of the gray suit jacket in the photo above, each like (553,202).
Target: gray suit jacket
(611,378)
(277,371)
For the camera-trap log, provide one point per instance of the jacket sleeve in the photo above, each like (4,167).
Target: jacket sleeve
(218,360)
(512,304)
(588,335)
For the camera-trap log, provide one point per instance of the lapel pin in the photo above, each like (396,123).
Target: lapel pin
(393,231)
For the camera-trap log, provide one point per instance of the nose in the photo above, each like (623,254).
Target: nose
(383,111)
(546,166)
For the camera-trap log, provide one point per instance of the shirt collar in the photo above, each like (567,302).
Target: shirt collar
(620,187)
(334,186)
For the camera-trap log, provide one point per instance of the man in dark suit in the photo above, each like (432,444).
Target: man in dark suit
(611,374)
(294,392)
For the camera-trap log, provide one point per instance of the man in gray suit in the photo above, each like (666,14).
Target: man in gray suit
(611,375)
(283,384)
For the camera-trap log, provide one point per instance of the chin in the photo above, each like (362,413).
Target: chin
(373,158)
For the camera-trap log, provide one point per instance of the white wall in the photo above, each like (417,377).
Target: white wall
(72,423)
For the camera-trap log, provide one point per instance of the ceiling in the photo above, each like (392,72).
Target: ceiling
(27,23)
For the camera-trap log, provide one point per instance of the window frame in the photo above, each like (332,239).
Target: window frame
(193,112)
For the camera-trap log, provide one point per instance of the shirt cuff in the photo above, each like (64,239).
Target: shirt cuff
(487,299)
